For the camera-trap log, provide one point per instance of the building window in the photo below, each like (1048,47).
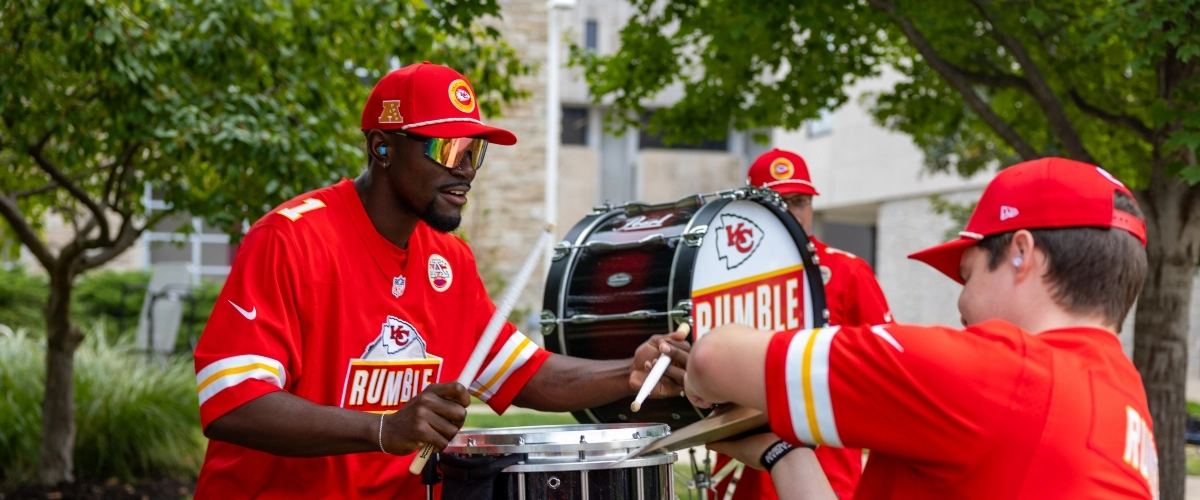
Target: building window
(857,239)
(591,35)
(574,125)
(822,126)
(646,140)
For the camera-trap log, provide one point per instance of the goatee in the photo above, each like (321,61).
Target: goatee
(440,222)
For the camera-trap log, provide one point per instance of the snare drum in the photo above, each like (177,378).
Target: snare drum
(625,273)
(573,462)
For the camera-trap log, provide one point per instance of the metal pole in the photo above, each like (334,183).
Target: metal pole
(553,113)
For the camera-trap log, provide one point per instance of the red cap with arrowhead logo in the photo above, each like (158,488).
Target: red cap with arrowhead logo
(431,101)
(783,171)
(1039,194)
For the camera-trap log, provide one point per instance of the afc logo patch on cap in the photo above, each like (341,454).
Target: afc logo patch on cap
(461,96)
(440,274)
(391,113)
(782,168)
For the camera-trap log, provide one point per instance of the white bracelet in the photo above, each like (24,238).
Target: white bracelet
(381,433)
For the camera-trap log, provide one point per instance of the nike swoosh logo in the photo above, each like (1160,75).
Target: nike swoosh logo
(250,315)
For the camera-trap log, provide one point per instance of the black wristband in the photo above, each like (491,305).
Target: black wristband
(774,453)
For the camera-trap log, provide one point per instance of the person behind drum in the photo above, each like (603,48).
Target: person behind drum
(1034,398)
(852,295)
(324,365)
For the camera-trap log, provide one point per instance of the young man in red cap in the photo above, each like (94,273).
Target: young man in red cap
(349,313)
(1033,399)
(853,297)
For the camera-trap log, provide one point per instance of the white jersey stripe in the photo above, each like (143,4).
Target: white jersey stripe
(231,371)
(511,357)
(819,386)
(233,379)
(794,367)
(807,383)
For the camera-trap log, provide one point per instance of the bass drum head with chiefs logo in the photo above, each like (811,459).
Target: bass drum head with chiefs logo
(749,269)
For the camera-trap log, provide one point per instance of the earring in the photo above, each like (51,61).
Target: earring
(1017,261)
(382,150)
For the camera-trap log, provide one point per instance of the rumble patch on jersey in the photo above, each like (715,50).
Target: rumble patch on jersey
(394,368)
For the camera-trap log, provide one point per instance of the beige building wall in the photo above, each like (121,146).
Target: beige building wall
(668,175)
(58,233)
(504,215)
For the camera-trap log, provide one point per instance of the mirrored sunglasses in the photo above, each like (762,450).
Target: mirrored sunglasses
(451,153)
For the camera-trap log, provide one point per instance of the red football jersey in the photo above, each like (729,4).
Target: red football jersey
(986,412)
(319,304)
(854,298)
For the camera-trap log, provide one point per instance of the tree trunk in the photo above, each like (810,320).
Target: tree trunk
(56,463)
(1161,324)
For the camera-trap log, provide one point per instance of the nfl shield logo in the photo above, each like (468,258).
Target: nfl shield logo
(398,286)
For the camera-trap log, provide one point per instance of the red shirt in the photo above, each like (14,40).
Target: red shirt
(319,304)
(990,412)
(854,298)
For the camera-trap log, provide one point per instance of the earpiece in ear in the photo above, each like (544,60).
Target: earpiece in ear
(1017,261)
(382,150)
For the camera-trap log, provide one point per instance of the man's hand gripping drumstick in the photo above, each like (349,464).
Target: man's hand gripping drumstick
(484,346)
(672,361)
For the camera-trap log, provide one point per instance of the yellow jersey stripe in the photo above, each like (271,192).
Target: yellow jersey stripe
(512,358)
(806,381)
(235,370)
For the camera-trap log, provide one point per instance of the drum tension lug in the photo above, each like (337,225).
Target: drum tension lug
(561,250)
(549,322)
(695,236)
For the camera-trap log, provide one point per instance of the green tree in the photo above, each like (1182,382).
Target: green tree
(985,83)
(226,107)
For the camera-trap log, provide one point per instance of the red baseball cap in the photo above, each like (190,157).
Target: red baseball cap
(429,100)
(1038,194)
(783,171)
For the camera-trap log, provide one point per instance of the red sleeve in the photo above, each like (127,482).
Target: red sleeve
(869,306)
(250,345)
(842,467)
(512,361)
(916,392)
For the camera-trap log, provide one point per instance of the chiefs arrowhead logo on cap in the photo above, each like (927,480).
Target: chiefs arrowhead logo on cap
(782,168)
(461,96)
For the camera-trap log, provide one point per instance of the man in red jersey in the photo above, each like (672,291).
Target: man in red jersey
(1033,399)
(349,312)
(853,297)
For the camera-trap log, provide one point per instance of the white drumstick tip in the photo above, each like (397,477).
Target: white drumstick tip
(656,373)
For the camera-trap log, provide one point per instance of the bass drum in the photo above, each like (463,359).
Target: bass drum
(625,273)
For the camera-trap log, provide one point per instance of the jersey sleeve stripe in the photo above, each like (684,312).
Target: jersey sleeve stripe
(819,386)
(236,370)
(235,379)
(516,351)
(807,383)
(228,372)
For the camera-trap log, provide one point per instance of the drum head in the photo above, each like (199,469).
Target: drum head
(750,270)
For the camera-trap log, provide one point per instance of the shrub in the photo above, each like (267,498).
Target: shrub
(98,297)
(135,417)
(22,299)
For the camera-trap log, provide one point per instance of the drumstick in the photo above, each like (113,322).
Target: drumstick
(656,373)
(499,318)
